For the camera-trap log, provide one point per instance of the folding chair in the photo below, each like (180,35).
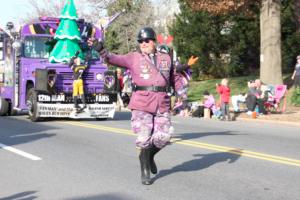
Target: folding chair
(277,103)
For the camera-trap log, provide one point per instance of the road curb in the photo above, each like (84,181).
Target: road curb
(268,121)
(253,120)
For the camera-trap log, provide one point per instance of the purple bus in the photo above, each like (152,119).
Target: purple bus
(29,82)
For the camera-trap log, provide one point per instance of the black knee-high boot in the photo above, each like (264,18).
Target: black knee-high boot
(75,98)
(153,151)
(145,166)
(83,101)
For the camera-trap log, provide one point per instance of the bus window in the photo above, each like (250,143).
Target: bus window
(35,47)
(1,50)
(1,46)
(1,63)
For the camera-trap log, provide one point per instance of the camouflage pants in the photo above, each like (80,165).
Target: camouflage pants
(151,129)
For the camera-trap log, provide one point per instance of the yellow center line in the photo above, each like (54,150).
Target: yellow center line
(231,150)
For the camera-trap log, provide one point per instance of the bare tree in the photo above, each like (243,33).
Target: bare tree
(122,33)
(95,9)
(88,9)
(137,14)
(46,8)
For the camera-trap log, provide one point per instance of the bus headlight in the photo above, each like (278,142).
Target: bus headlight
(99,77)
(110,80)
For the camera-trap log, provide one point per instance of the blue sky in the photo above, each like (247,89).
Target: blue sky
(13,10)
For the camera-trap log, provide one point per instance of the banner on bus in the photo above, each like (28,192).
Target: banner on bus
(68,111)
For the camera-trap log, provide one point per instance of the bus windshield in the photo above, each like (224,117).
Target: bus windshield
(35,47)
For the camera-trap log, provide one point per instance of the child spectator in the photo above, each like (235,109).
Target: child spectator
(224,91)
(209,102)
(236,100)
(181,107)
(197,109)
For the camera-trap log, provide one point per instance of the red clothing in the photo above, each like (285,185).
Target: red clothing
(121,84)
(224,91)
(144,73)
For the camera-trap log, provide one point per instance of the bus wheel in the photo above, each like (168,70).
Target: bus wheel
(3,107)
(11,110)
(32,105)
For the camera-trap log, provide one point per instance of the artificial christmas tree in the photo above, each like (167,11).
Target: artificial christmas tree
(67,35)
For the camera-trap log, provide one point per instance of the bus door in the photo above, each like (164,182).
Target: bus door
(9,70)
(1,62)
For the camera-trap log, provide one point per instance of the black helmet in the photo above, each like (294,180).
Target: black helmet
(146,33)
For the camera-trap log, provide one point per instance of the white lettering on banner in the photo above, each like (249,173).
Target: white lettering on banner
(102,98)
(58,97)
(42,97)
(53,98)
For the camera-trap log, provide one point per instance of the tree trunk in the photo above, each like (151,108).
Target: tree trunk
(297,14)
(270,27)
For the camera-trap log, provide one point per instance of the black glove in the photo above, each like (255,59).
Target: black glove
(76,54)
(98,45)
(180,67)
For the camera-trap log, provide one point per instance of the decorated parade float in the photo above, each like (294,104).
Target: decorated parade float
(48,69)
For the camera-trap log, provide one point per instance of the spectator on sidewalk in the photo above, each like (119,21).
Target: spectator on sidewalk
(224,91)
(120,103)
(295,99)
(181,107)
(296,74)
(236,100)
(251,96)
(255,97)
(209,102)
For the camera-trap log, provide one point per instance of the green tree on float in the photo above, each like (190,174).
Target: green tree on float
(67,35)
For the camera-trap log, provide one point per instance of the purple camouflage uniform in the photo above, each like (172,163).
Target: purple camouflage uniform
(150,110)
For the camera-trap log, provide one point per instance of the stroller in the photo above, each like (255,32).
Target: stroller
(277,102)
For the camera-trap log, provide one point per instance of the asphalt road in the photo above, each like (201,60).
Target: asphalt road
(87,159)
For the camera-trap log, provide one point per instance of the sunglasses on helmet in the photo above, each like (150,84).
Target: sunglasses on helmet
(144,40)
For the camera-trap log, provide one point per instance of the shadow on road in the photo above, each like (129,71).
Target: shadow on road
(15,131)
(119,116)
(23,195)
(30,196)
(122,116)
(204,161)
(188,136)
(104,197)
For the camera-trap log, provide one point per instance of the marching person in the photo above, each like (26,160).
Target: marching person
(152,74)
